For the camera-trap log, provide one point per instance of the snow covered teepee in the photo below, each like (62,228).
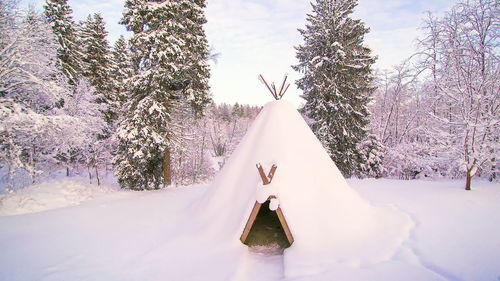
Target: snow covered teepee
(330,223)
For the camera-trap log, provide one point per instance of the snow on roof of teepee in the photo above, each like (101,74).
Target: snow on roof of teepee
(329,221)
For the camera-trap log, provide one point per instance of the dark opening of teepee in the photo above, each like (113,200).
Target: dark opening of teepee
(267,229)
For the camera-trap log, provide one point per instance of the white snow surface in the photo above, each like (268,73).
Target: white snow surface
(129,235)
(265,191)
(331,224)
(48,195)
(274,204)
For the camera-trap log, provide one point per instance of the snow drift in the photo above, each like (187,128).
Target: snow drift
(49,195)
(151,236)
(330,222)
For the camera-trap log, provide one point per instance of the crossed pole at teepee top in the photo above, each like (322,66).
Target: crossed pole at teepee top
(272,88)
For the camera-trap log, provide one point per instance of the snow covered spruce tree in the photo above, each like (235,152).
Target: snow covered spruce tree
(121,70)
(58,13)
(96,61)
(170,50)
(372,158)
(337,81)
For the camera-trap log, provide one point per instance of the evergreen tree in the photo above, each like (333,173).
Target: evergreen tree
(372,153)
(58,13)
(337,79)
(170,51)
(121,70)
(96,61)
(196,69)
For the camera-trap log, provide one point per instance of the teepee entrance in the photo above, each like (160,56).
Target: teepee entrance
(267,229)
(266,226)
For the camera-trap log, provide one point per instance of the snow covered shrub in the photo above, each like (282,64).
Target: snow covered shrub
(228,124)
(203,140)
(190,147)
(415,160)
(40,141)
(371,163)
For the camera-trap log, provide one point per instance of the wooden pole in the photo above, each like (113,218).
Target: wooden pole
(282,219)
(251,219)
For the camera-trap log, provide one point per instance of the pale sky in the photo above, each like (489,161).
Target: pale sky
(257,37)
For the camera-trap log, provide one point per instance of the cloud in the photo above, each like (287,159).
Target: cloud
(395,25)
(253,37)
(111,10)
(258,36)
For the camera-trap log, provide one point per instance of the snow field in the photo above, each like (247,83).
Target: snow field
(150,235)
(456,233)
(49,195)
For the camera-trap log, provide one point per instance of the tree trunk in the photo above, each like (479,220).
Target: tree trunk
(468,179)
(97,176)
(180,170)
(67,171)
(90,174)
(33,172)
(10,175)
(493,175)
(167,169)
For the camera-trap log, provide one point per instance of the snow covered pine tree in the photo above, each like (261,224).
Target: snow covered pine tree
(58,13)
(171,52)
(337,81)
(121,70)
(96,61)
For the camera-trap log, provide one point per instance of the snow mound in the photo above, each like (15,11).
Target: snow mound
(330,222)
(49,195)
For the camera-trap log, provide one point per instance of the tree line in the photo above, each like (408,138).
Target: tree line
(435,115)
(143,107)
(140,108)
(437,112)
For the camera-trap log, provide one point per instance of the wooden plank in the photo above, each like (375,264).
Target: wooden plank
(266,179)
(262,174)
(282,219)
(271,173)
(251,219)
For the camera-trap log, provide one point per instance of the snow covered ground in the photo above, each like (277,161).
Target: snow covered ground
(50,195)
(82,233)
